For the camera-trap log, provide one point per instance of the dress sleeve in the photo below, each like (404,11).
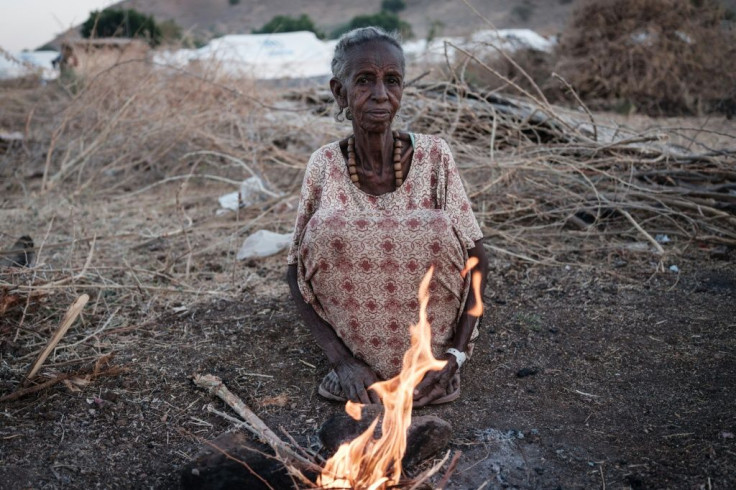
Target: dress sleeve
(455,201)
(309,200)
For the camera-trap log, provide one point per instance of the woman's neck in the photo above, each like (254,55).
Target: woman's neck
(374,152)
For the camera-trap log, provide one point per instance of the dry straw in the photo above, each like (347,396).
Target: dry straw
(660,56)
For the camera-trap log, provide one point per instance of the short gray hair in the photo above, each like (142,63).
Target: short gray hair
(357,37)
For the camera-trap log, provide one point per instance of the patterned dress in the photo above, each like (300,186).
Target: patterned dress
(361,257)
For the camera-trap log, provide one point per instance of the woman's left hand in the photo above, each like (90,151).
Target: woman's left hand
(435,383)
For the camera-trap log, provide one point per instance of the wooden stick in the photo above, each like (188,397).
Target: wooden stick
(216,387)
(641,230)
(71,314)
(419,481)
(113,371)
(450,470)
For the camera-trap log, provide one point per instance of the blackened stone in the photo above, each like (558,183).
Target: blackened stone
(341,428)
(427,434)
(239,463)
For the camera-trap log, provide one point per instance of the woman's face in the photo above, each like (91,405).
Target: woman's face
(373,87)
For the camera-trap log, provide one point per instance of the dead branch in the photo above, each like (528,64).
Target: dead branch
(426,475)
(283,451)
(450,470)
(92,374)
(71,314)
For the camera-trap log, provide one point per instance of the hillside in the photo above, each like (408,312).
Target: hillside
(208,19)
(220,17)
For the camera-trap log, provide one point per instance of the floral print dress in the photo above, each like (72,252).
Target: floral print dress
(361,257)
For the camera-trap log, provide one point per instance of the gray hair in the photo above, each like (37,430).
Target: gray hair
(358,37)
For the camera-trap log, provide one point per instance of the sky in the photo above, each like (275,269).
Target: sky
(28,24)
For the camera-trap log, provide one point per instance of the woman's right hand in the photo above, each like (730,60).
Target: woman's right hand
(355,377)
(353,374)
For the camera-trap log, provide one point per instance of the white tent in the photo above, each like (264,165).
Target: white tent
(269,56)
(28,63)
(480,43)
(432,51)
(512,39)
(178,58)
(300,55)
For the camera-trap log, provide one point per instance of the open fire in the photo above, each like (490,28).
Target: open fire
(370,463)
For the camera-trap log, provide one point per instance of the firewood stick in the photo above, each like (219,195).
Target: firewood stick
(71,314)
(641,230)
(295,470)
(450,470)
(215,386)
(113,371)
(426,475)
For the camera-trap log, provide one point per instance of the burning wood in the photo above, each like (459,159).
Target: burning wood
(427,434)
(372,463)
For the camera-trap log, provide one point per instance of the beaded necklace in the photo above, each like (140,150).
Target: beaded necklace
(398,173)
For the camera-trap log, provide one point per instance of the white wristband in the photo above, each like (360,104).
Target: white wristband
(461,357)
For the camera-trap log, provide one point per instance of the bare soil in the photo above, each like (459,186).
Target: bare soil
(582,378)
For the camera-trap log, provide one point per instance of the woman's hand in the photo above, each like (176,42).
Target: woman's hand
(353,374)
(355,378)
(436,384)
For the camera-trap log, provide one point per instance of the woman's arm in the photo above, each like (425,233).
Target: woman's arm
(355,376)
(435,383)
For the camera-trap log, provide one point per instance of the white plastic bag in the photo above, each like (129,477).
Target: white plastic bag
(252,191)
(263,243)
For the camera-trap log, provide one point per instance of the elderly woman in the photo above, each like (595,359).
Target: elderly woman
(377,209)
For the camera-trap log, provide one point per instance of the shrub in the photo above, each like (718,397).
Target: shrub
(662,56)
(121,23)
(284,23)
(386,20)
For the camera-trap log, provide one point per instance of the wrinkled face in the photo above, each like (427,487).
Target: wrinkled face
(373,86)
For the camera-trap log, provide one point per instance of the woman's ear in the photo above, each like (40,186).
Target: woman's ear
(338,91)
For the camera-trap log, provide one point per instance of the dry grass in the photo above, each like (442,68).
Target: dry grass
(117,184)
(557,187)
(660,56)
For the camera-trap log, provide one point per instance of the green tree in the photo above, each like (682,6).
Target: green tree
(122,23)
(284,23)
(394,6)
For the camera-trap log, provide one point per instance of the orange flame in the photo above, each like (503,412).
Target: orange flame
(375,464)
(475,282)
(371,463)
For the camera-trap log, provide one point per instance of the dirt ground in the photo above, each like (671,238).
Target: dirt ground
(582,378)
(601,363)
